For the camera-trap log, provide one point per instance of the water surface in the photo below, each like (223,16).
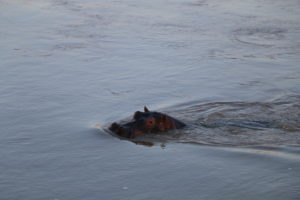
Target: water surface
(230,70)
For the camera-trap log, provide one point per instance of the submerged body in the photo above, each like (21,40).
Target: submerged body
(146,122)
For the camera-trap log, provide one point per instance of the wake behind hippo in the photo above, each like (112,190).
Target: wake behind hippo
(146,122)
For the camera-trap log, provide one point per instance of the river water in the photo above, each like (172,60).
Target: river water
(228,69)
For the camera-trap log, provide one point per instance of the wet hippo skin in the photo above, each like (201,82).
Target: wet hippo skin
(146,122)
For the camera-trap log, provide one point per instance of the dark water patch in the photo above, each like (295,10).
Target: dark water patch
(199,3)
(69,5)
(16,141)
(68,46)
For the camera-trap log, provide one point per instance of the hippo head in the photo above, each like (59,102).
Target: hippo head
(154,121)
(145,122)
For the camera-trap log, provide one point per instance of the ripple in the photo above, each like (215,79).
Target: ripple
(260,36)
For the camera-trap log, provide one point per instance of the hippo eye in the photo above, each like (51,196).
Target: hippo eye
(151,121)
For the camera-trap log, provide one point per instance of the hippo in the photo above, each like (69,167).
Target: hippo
(146,122)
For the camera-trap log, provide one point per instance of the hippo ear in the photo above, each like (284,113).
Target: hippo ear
(146,109)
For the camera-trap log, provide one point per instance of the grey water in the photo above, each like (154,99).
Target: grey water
(228,69)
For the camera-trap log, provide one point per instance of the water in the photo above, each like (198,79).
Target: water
(228,69)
